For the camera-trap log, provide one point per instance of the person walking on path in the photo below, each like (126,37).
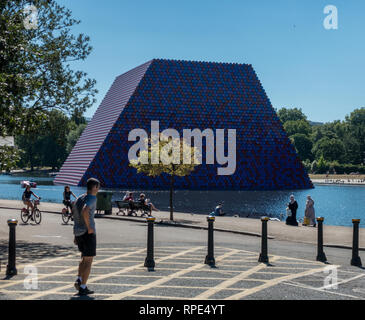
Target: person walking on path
(309,211)
(85,233)
(293,207)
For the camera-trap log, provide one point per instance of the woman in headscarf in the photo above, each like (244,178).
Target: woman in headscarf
(293,207)
(309,211)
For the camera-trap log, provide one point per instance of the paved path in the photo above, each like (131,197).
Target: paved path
(333,235)
(180,273)
(118,273)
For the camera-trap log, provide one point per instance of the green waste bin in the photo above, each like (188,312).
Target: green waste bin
(104,201)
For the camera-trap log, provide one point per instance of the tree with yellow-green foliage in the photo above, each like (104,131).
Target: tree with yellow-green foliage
(170,156)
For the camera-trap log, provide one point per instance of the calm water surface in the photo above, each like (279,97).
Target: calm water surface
(338,204)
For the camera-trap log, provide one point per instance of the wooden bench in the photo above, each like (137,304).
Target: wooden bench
(125,209)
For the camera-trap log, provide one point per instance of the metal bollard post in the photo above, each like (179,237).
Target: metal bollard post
(11,269)
(150,262)
(321,256)
(263,256)
(209,259)
(356,260)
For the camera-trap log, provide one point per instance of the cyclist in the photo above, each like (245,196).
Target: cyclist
(27,194)
(67,197)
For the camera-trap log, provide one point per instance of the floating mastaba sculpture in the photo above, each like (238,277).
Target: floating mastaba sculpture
(187,95)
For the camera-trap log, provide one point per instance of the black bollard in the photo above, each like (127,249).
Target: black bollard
(263,256)
(321,256)
(150,262)
(209,259)
(356,260)
(11,269)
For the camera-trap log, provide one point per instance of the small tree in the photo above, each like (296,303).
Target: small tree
(176,158)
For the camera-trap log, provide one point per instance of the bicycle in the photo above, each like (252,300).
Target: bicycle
(66,215)
(35,215)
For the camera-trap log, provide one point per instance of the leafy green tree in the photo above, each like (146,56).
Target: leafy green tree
(30,145)
(73,136)
(329,149)
(314,167)
(292,127)
(36,74)
(294,114)
(174,168)
(322,165)
(356,130)
(9,158)
(46,146)
(303,145)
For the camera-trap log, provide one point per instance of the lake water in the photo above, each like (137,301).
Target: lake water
(338,204)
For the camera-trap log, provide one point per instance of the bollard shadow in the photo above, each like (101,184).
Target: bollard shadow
(9,277)
(31,252)
(151,269)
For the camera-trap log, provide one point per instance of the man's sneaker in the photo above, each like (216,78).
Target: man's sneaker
(85,292)
(77,284)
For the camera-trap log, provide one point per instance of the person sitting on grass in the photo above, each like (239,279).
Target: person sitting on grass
(26,197)
(67,197)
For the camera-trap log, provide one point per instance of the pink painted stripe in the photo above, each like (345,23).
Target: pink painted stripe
(100,125)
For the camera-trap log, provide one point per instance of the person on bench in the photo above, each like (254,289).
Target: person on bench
(143,201)
(129,198)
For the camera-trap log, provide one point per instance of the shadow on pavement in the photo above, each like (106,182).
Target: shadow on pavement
(77,297)
(31,252)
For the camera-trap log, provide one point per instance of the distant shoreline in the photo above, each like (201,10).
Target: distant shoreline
(338,183)
(340,179)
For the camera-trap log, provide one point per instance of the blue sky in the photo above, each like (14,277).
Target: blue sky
(299,62)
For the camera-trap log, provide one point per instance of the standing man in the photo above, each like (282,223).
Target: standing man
(85,233)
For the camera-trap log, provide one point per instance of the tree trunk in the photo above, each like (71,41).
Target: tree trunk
(171,200)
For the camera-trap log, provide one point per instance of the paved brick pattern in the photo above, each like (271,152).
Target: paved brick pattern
(118,273)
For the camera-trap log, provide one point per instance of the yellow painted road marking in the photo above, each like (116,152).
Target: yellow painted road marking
(11,282)
(343,281)
(274,282)
(22,265)
(160,297)
(303,286)
(101,277)
(166,278)
(229,282)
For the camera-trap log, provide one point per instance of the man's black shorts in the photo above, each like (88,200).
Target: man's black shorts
(87,244)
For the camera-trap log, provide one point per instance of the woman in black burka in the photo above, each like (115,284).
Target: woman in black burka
(293,206)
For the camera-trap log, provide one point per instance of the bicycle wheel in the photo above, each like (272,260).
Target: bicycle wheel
(24,215)
(65,217)
(37,216)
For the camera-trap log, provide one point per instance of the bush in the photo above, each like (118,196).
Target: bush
(321,167)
